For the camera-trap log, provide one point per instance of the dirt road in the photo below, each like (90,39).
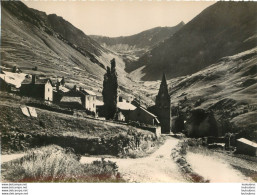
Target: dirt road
(158,167)
(215,169)
(9,157)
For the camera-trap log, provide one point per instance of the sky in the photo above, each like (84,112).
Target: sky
(121,18)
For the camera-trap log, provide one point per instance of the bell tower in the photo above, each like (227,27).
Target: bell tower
(162,105)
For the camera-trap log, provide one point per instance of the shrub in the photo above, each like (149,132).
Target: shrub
(55,164)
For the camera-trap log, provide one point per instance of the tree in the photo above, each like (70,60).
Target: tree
(110,90)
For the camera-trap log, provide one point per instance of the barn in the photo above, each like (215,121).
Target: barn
(41,89)
(142,115)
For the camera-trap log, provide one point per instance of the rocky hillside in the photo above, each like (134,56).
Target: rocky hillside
(228,88)
(139,43)
(223,29)
(31,38)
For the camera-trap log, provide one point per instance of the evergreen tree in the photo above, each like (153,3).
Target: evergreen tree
(110,90)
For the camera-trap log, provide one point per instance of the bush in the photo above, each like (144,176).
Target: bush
(55,164)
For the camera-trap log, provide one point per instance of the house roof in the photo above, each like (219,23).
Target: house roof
(87,92)
(73,93)
(14,79)
(63,89)
(71,99)
(125,106)
(99,102)
(59,79)
(38,81)
(149,113)
(248,142)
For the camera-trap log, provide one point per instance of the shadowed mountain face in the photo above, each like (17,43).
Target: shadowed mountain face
(32,38)
(223,29)
(138,43)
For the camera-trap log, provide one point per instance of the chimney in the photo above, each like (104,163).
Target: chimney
(33,79)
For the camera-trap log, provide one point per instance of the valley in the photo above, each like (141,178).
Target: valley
(211,68)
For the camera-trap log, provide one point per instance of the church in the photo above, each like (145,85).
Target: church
(162,108)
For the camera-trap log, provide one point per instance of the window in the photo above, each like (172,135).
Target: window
(48,89)
(93,105)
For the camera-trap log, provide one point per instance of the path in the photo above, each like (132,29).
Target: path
(215,169)
(158,167)
(9,157)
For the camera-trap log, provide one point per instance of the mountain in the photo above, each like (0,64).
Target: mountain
(223,29)
(138,43)
(228,88)
(31,38)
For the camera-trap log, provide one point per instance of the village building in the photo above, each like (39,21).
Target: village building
(162,106)
(245,146)
(130,111)
(60,83)
(5,86)
(72,100)
(10,81)
(122,98)
(89,100)
(124,108)
(143,116)
(59,90)
(37,88)
(79,99)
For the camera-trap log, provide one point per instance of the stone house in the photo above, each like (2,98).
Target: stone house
(37,88)
(142,115)
(90,100)
(4,86)
(79,98)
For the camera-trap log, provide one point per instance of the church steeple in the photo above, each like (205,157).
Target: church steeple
(162,106)
(163,96)
(163,87)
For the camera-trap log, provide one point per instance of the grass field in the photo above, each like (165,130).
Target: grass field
(84,135)
(55,164)
(12,119)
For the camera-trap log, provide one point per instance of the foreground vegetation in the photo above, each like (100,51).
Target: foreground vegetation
(84,135)
(55,164)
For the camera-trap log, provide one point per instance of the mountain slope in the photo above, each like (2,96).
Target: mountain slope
(139,43)
(228,88)
(31,38)
(223,29)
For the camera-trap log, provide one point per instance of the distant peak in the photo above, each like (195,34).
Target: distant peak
(182,23)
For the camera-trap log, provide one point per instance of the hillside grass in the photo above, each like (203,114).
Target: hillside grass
(84,135)
(55,164)
(53,123)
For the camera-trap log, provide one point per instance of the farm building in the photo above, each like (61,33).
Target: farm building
(71,101)
(245,146)
(142,115)
(79,99)
(123,105)
(10,81)
(4,86)
(37,88)
(89,100)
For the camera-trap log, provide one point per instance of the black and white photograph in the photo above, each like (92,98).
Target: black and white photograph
(128,92)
